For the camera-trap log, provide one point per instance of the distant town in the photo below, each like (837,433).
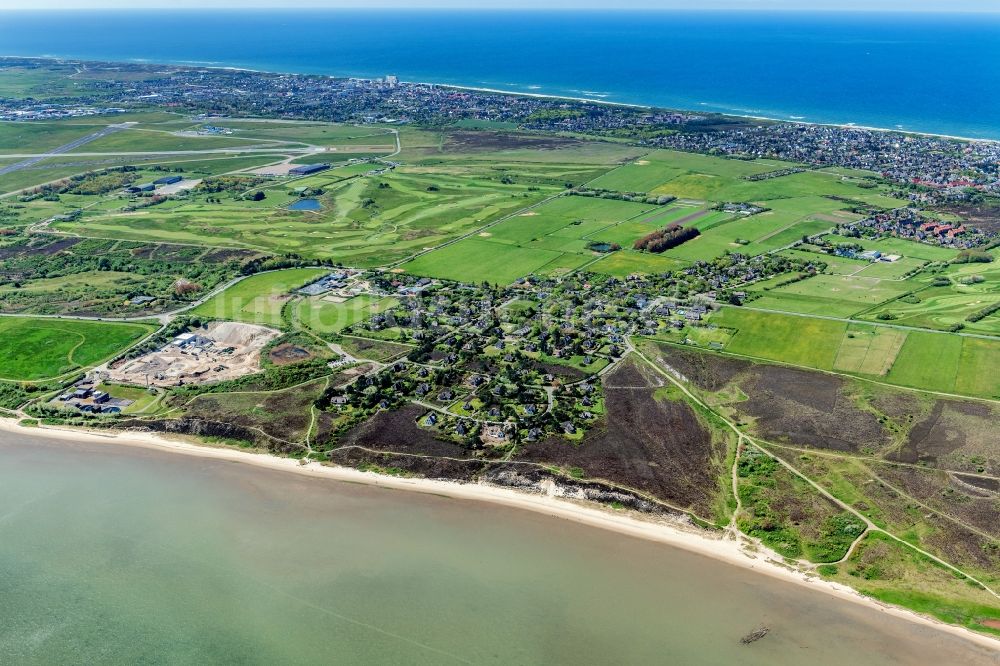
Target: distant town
(929,169)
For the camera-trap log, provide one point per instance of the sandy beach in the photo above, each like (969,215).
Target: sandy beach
(672,533)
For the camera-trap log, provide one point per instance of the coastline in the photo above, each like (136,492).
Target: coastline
(727,114)
(502,91)
(675,535)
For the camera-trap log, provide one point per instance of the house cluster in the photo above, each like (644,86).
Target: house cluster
(947,168)
(342,283)
(497,365)
(218,93)
(912,224)
(29,109)
(741,208)
(88,399)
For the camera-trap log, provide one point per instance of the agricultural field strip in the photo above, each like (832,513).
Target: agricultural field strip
(865,322)
(771,361)
(161,318)
(870,526)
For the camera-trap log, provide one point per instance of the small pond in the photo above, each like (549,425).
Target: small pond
(601,247)
(306,204)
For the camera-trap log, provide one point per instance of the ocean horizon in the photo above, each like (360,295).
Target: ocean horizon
(915,72)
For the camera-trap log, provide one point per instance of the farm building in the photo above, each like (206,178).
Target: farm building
(307,169)
(167,180)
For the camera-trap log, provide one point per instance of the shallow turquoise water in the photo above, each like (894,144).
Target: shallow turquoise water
(118,555)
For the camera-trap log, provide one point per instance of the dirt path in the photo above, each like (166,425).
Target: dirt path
(871,527)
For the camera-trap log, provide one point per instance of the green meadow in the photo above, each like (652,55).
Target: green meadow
(929,361)
(831,295)
(36,348)
(259,299)
(324,316)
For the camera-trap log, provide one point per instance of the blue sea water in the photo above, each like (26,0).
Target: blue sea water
(923,72)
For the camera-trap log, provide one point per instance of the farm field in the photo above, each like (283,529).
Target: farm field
(259,299)
(867,350)
(753,235)
(477,260)
(659,167)
(626,262)
(35,349)
(936,362)
(831,295)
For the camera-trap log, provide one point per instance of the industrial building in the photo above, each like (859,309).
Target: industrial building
(307,169)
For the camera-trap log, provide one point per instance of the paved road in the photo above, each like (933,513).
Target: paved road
(208,151)
(65,148)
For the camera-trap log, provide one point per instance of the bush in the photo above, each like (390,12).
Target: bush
(985,312)
(973,256)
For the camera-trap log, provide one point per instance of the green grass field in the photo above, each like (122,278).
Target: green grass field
(939,362)
(312,133)
(477,260)
(33,349)
(38,137)
(326,317)
(831,295)
(868,350)
(626,262)
(139,140)
(798,340)
(651,171)
(259,299)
